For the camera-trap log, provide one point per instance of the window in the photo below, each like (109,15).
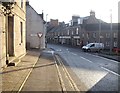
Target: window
(115,35)
(107,43)
(72,32)
(55,33)
(21,31)
(88,35)
(115,44)
(107,35)
(78,42)
(83,35)
(93,45)
(21,3)
(94,35)
(62,33)
(58,34)
(68,32)
(77,31)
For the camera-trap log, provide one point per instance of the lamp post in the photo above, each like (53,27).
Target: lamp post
(99,29)
(46,32)
(111,42)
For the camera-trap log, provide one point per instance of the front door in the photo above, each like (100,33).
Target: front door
(11,36)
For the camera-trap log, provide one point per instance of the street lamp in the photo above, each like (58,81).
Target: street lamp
(111,46)
(99,29)
(46,32)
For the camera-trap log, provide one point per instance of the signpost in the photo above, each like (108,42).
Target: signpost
(39,36)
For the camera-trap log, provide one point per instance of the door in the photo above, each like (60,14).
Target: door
(11,36)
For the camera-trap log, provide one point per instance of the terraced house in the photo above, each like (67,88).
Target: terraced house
(12,30)
(89,30)
(35,28)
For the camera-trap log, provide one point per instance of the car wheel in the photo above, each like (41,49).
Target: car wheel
(88,50)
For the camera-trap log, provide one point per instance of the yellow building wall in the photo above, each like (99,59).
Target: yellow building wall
(19,16)
(19,48)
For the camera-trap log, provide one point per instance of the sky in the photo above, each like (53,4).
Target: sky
(64,9)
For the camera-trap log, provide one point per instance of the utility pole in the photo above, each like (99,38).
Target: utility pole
(99,30)
(46,32)
(111,42)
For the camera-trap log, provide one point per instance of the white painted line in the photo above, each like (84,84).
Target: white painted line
(102,67)
(86,59)
(74,54)
(110,71)
(103,58)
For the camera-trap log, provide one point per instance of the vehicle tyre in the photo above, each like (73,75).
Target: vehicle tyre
(88,50)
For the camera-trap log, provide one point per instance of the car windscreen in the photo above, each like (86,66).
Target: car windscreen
(88,45)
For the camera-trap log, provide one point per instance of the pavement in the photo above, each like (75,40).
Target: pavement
(36,72)
(44,76)
(13,77)
(113,57)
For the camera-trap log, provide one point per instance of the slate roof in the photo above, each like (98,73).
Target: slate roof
(104,26)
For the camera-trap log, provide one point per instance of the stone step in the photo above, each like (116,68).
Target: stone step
(14,62)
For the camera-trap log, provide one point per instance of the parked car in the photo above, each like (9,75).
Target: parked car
(96,47)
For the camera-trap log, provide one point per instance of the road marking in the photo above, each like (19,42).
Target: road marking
(60,76)
(74,54)
(102,67)
(86,59)
(58,50)
(110,71)
(71,81)
(103,58)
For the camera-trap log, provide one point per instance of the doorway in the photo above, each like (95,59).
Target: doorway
(11,35)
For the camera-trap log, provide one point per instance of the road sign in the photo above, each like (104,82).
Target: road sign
(39,34)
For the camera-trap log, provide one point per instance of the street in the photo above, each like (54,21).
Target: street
(61,68)
(96,73)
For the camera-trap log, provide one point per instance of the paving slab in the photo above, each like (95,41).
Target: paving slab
(44,76)
(14,76)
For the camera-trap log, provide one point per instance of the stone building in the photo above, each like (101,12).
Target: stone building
(36,28)
(54,22)
(90,30)
(12,30)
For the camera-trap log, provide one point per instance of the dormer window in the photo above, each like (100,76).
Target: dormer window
(68,32)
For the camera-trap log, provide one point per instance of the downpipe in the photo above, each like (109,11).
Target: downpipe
(6,37)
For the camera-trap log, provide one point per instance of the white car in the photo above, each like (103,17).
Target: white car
(93,47)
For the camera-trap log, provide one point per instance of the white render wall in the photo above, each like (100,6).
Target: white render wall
(34,25)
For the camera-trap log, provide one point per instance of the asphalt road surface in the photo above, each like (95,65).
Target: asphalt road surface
(95,72)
